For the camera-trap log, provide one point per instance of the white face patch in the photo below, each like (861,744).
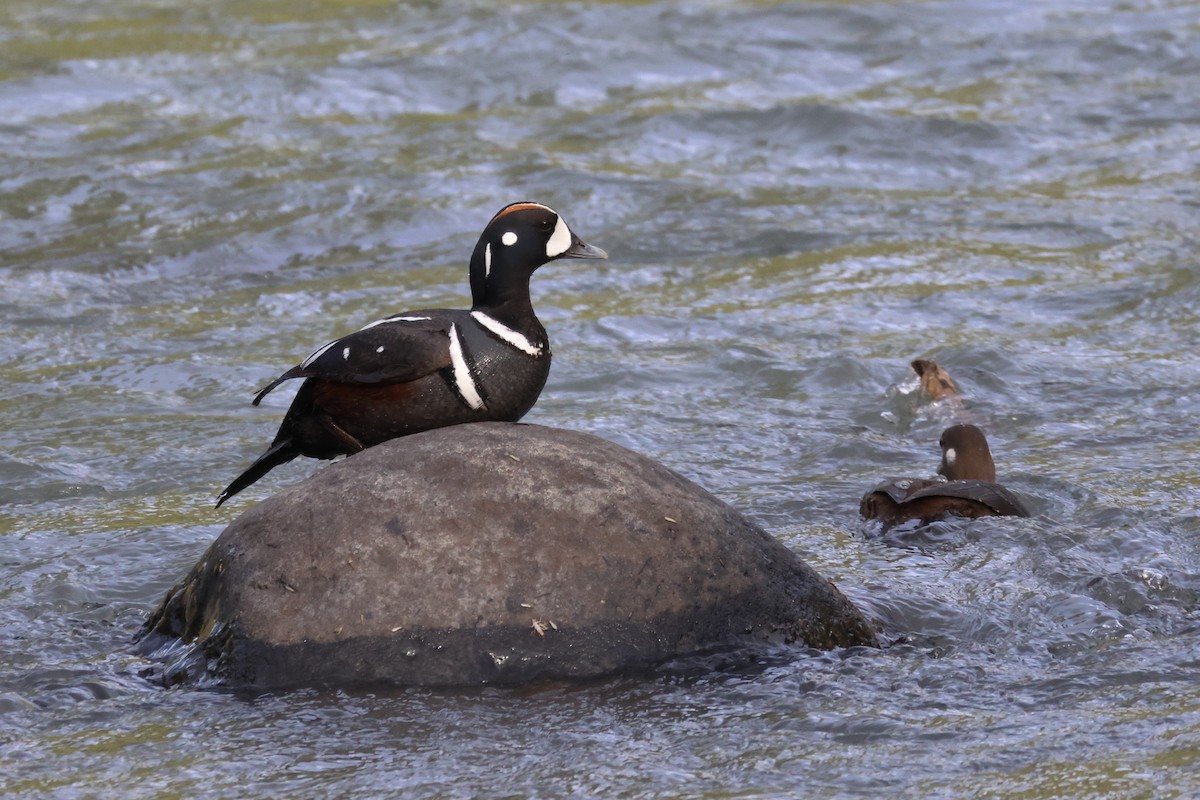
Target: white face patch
(507,334)
(560,241)
(462,372)
(950,455)
(487,259)
(509,238)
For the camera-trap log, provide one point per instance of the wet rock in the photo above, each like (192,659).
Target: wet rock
(486,553)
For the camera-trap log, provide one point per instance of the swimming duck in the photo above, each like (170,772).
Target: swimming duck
(970,489)
(935,381)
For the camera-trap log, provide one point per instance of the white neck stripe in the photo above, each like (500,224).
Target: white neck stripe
(507,334)
(487,259)
(462,372)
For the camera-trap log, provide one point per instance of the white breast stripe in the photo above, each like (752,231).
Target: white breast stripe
(507,334)
(462,372)
(560,241)
(392,319)
(317,354)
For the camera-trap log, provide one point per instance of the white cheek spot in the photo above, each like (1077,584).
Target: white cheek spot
(560,241)
(487,259)
(509,238)
(950,455)
(345,353)
(379,349)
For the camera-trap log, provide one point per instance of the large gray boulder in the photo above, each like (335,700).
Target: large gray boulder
(487,553)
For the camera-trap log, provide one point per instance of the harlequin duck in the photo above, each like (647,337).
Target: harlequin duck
(427,369)
(935,381)
(970,489)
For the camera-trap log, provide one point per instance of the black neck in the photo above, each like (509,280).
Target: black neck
(519,316)
(504,295)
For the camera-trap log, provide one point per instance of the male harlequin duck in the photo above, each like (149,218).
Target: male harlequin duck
(970,489)
(427,369)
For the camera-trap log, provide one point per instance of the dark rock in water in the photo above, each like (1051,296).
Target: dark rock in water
(487,553)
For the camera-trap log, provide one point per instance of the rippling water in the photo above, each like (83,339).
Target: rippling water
(798,199)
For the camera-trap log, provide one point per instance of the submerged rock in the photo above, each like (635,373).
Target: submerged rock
(487,553)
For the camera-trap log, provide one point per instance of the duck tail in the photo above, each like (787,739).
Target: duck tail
(281,452)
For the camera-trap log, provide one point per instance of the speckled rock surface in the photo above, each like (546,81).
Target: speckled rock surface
(486,553)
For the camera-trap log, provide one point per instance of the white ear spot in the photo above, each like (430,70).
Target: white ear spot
(950,455)
(487,259)
(379,349)
(509,238)
(345,353)
(560,241)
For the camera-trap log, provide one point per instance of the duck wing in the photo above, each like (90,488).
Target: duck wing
(902,489)
(397,349)
(999,499)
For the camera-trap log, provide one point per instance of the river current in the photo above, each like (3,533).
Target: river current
(797,198)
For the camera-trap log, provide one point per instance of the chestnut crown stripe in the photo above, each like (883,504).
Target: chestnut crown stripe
(504,212)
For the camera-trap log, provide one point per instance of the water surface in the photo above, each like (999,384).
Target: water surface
(798,199)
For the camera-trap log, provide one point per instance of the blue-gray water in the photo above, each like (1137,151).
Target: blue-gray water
(798,199)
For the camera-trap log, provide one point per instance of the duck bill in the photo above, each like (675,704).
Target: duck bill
(581,249)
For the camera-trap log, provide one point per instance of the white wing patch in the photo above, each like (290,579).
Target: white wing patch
(507,334)
(392,319)
(560,241)
(317,354)
(306,363)
(462,372)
